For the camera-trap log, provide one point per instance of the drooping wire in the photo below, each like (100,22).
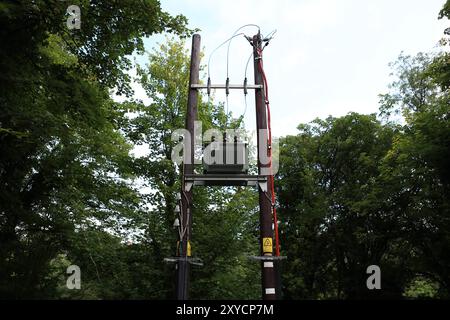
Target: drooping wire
(245,80)
(246,65)
(218,47)
(235,32)
(228,56)
(209,73)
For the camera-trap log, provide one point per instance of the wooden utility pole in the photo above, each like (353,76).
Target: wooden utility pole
(265,203)
(188,168)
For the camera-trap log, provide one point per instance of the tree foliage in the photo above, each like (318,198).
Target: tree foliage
(357,191)
(64,163)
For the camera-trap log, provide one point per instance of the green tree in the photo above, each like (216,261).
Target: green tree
(328,194)
(64,163)
(418,164)
(355,191)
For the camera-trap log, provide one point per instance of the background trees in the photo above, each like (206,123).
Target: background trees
(357,191)
(329,196)
(64,164)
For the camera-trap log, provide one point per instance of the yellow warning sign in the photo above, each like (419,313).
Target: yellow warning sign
(189,249)
(267,245)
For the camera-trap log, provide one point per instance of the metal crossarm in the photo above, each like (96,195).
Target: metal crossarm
(224,86)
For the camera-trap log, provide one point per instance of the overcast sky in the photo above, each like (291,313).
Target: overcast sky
(328,57)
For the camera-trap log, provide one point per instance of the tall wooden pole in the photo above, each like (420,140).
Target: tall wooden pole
(188,168)
(265,203)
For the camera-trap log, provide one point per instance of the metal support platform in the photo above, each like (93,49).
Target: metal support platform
(193,261)
(225,180)
(267,258)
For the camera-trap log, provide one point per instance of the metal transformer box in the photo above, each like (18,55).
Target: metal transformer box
(225,157)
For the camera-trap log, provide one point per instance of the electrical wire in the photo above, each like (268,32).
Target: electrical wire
(245,79)
(246,65)
(266,96)
(220,45)
(235,32)
(245,108)
(269,37)
(226,114)
(209,63)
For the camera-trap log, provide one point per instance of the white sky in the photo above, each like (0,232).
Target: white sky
(327,57)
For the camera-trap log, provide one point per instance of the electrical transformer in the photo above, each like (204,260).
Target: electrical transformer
(225,158)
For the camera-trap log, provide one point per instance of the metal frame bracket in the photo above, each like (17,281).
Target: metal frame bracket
(188,185)
(193,261)
(224,180)
(267,258)
(263,186)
